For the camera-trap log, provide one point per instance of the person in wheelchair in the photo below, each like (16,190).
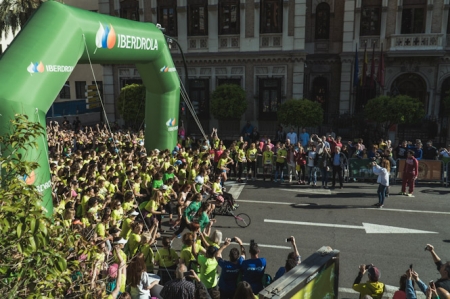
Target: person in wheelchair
(220,195)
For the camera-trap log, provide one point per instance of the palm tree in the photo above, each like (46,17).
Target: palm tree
(15,13)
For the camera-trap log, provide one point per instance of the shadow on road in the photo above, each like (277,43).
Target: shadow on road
(315,206)
(435,192)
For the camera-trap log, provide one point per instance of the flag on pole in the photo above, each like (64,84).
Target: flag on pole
(372,68)
(380,73)
(362,81)
(356,69)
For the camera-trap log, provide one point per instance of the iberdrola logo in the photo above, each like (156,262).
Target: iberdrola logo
(36,67)
(106,37)
(166,69)
(172,124)
(28,179)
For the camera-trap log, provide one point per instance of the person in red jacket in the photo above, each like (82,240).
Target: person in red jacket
(300,159)
(410,173)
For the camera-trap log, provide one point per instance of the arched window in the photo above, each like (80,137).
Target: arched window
(370,17)
(167,16)
(271,20)
(320,93)
(411,85)
(129,9)
(323,21)
(198,17)
(229,16)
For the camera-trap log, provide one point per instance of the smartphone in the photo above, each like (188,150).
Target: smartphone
(252,242)
(431,283)
(233,240)
(368,266)
(185,274)
(289,240)
(410,266)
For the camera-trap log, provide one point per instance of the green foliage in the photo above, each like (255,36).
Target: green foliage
(401,109)
(228,101)
(33,249)
(14,14)
(300,113)
(132,104)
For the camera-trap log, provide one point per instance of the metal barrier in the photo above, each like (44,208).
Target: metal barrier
(361,169)
(429,171)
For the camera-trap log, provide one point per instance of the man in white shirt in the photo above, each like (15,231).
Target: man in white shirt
(292,136)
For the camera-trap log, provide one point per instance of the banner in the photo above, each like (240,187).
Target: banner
(361,169)
(57,37)
(429,170)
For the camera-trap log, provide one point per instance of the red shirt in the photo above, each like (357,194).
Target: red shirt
(411,166)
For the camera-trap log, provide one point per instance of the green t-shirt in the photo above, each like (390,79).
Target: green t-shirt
(251,154)
(281,152)
(167,176)
(133,243)
(191,210)
(208,271)
(157,184)
(151,205)
(163,258)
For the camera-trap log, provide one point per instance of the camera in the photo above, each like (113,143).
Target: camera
(289,240)
(252,242)
(233,240)
(368,266)
(410,266)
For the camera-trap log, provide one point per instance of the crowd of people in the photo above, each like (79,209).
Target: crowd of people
(125,199)
(374,288)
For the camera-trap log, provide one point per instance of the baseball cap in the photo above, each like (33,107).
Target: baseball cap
(119,240)
(112,270)
(133,213)
(374,273)
(178,162)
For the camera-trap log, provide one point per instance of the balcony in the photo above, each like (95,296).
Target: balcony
(229,42)
(417,42)
(198,43)
(270,42)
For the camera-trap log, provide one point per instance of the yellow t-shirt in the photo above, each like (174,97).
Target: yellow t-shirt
(164,259)
(281,152)
(133,243)
(251,154)
(267,157)
(151,205)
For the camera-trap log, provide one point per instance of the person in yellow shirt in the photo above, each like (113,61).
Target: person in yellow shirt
(166,258)
(134,240)
(222,164)
(281,160)
(127,223)
(119,255)
(241,160)
(251,155)
(267,160)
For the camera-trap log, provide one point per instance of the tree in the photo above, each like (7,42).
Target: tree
(34,250)
(388,111)
(228,101)
(15,13)
(300,113)
(132,105)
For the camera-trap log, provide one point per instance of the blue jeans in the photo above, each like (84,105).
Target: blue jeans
(312,175)
(381,193)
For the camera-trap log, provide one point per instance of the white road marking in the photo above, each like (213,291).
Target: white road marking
(236,190)
(274,202)
(407,211)
(310,191)
(370,228)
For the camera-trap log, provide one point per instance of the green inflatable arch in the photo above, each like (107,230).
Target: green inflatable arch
(58,37)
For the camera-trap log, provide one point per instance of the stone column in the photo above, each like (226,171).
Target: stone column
(213,28)
(182,25)
(299,25)
(348,46)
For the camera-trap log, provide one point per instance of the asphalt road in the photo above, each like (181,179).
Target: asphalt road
(276,208)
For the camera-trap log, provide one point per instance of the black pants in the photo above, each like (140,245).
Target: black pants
(241,168)
(338,169)
(226,295)
(251,166)
(183,225)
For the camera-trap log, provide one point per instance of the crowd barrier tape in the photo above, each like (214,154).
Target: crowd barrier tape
(429,170)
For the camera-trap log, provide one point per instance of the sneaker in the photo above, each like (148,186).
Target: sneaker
(380,206)
(410,195)
(377,204)
(172,228)
(179,236)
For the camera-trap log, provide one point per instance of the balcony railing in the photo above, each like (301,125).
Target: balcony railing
(198,43)
(229,42)
(270,41)
(418,41)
